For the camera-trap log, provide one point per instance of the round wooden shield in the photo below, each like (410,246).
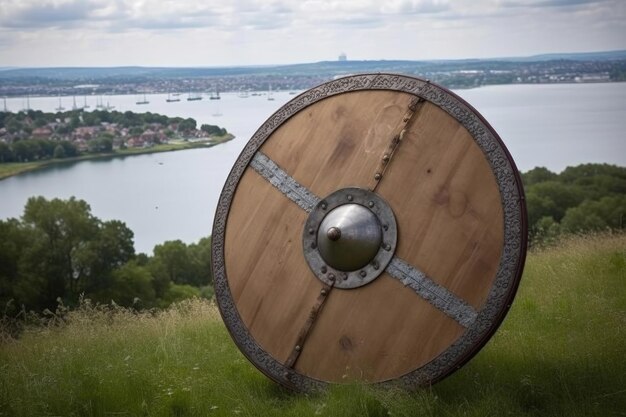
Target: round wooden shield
(373,229)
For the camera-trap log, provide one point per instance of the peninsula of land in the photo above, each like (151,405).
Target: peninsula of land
(33,139)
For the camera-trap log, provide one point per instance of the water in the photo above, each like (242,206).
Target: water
(173,195)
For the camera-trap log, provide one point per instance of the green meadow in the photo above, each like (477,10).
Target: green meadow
(561,351)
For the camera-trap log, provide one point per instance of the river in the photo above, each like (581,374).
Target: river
(173,195)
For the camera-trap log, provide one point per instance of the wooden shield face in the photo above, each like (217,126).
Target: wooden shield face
(373,229)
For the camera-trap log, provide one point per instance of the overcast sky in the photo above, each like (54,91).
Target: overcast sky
(249,32)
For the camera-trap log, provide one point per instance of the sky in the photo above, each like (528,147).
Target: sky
(176,33)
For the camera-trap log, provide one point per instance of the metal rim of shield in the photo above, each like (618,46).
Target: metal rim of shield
(427,304)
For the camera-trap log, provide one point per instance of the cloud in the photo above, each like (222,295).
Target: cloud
(415,7)
(200,32)
(552,3)
(45,14)
(122,15)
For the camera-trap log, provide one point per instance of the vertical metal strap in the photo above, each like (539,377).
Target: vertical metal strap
(407,120)
(308,325)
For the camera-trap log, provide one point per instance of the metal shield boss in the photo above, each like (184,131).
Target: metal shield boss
(373,229)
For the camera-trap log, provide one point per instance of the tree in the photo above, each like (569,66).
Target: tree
(40,121)
(106,144)
(172,260)
(178,292)
(200,256)
(130,286)
(109,249)
(135,131)
(59,152)
(606,213)
(557,197)
(100,144)
(91,119)
(546,231)
(63,227)
(213,130)
(63,129)
(13,125)
(69,148)
(74,121)
(6,155)
(46,148)
(187,125)
(14,239)
(596,180)
(25,150)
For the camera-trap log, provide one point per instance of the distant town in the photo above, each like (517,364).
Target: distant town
(456,74)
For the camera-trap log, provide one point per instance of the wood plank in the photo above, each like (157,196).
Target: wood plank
(450,218)
(269,279)
(375,333)
(338,142)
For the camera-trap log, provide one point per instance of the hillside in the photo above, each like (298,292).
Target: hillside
(607,66)
(559,352)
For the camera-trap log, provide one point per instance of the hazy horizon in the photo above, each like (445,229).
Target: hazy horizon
(189,33)
(217,66)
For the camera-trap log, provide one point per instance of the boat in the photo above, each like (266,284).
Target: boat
(194,97)
(169,98)
(144,101)
(216,95)
(27,107)
(74,106)
(217,112)
(85,105)
(270,97)
(242,93)
(60,108)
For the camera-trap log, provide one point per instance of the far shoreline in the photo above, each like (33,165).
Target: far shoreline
(11,169)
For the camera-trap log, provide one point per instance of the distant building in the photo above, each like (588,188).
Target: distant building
(343,56)
(42,133)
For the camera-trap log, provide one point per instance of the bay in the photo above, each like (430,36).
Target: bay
(173,195)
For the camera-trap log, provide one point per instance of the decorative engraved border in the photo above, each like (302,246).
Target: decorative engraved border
(515,230)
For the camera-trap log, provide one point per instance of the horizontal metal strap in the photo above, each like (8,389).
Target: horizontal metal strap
(291,188)
(432,292)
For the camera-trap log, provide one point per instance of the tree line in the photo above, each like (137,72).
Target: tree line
(26,121)
(58,250)
(581,199)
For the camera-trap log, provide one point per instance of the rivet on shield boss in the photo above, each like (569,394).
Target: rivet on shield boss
(373,229)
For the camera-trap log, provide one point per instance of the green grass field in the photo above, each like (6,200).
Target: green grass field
(560,352)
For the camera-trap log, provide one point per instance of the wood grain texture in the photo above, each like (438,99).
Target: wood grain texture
(377,332)
(449,216)
(269,278)
(338,142)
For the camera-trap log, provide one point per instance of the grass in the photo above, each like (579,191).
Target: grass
(9,169)
(560,352)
